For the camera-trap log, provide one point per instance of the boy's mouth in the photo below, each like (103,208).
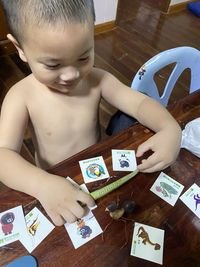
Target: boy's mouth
(68,83)
(66,86)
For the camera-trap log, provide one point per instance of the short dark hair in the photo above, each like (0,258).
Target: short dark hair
(22,13)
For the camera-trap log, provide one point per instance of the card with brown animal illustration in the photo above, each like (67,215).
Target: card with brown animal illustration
(147,243)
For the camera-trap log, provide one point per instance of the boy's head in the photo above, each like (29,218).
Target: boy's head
(55,37)
(22,15)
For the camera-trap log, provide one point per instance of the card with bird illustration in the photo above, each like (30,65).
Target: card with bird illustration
(147,243)
(167,188)
(93,169)
(38,227)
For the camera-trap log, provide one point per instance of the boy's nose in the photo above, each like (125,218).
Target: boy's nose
(69,73)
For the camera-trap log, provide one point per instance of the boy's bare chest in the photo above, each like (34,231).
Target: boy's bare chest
(57,119)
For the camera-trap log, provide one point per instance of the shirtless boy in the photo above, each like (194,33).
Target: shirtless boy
(59,102)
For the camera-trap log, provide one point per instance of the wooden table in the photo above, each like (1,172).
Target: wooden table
(182,227)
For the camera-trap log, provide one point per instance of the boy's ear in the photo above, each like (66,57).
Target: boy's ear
(18,47)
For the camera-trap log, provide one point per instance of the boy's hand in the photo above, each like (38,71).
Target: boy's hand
(60,200)
(165,146)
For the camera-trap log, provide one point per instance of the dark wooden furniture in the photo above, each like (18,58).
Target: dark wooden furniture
(6,47)
(182,227)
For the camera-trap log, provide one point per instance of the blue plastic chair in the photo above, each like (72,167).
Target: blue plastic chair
(183,57)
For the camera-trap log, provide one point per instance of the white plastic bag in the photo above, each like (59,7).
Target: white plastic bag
(191,137)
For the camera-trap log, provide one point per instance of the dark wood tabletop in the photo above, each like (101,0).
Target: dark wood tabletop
(182,227)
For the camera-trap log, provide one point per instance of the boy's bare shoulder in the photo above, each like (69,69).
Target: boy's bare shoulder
(98,73)
(21,93)
(22,87)
(102,77)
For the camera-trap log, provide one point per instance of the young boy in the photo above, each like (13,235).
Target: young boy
(59,103)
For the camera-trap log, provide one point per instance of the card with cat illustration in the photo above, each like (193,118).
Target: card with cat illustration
(124,160)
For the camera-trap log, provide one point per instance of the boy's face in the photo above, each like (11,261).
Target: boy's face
(59,58)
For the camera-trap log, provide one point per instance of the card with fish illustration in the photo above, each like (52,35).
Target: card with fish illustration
(167,188)
(38,227)
(83,230)
(81,187)
(191,198)
(124,160)
(148,243)
(12,225)
(93,169)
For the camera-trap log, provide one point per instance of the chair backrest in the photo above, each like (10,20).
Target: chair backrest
(183,57)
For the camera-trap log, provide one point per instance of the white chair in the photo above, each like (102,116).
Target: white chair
(183,57)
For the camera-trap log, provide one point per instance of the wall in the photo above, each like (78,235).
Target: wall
(175,2)
(106,10)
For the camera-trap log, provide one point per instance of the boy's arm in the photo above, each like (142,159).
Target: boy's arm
(166,142)
(57,195)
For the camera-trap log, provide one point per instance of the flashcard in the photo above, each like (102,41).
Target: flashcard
(93,169)
(124,160)
(38,227)
(83,230)
(85,189)
(191,198)
(147,243)
(12,225)
(167,188)
(81,187)
(73,182)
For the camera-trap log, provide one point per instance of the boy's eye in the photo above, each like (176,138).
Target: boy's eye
(84,58)
(51,66)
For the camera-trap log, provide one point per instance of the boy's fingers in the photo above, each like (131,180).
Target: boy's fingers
(150,169)
(56,218)
(68,216)
(86,199)
(144,147)
(79,210)
(150,163)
